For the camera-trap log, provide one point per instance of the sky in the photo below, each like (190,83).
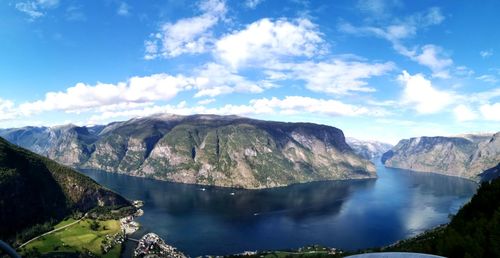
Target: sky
(377,69)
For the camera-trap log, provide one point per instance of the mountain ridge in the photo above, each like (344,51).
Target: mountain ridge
(228,151)
(464,156)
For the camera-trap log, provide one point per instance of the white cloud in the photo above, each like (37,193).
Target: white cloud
(252,4)
(490,111)
(35,8)
(266,40)
(123,9)
(486,53)
(7,111)
(420,95)
(392,33)
(271,106)
(397,31)
(487,78)
(336,76)
(308,105)
(206,101)
(432,57)
(136,90)
(215,79)
(429,55)
(464,113)
(186,36)
(432,16)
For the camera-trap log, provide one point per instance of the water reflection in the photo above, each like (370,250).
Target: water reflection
(346,214)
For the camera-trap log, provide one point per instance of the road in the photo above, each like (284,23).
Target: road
(52,231)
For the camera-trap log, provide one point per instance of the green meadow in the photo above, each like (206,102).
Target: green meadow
(78,238)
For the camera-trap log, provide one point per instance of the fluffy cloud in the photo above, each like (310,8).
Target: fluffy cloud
(336,76)
(491,111)
(135,90)
(300,104)
(206,101)
(267,40)
(215,79)
(420,95)
(190,35)
(432,57)
(35,9)
(464,113)
(7,111)
(288,105)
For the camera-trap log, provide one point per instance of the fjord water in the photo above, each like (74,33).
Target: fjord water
(344,214)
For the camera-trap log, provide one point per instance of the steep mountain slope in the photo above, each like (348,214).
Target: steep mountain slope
(213,150)
(368,149)
(465,156)
(34,189)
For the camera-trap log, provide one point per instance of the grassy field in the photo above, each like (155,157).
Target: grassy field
(78,238)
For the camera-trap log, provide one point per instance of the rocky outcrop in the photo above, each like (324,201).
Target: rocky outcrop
(214,150)
(368,149)
(464,156)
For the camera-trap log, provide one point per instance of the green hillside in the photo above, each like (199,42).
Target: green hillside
(36,191)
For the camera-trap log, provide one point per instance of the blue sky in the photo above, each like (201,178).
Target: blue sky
(377,69)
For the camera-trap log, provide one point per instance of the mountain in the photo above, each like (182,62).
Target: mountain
(368,149)
(34,190)
(227,151)
(464,155)
(473,232)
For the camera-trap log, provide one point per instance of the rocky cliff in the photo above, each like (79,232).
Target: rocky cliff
(464,156)
(368,149)
(205,149)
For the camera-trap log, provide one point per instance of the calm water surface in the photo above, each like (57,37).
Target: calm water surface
(348,215)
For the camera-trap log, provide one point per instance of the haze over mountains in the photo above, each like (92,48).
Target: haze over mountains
(368,149)
(466,155)
(202,149)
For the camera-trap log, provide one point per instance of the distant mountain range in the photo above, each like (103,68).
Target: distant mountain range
(463,155)
(226,151)
(34,190)
(368,149)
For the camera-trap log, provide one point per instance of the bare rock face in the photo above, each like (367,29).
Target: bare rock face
(464,156)
(218,150)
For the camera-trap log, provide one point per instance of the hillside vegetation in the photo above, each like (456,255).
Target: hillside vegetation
(36,192)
